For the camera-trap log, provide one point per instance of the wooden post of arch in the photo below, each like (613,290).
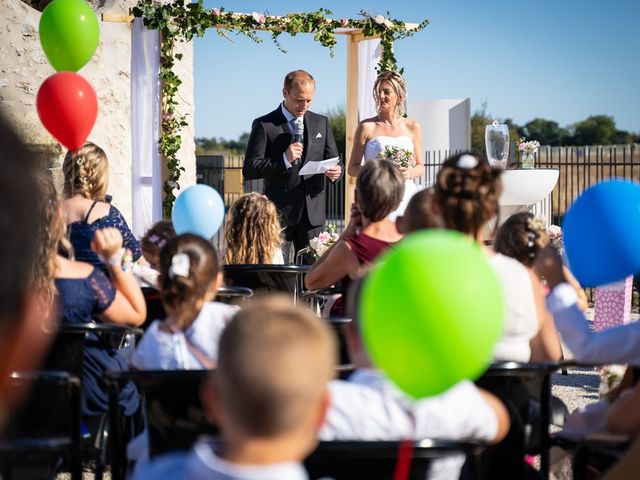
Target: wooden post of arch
(351,118)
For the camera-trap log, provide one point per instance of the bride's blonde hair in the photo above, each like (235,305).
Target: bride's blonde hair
(399,86)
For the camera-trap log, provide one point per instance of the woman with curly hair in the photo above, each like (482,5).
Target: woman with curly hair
(85,206)
(252,233)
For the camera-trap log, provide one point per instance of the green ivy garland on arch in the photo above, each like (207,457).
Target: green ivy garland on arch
(180,21)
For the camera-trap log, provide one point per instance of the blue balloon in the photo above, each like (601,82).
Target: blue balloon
(198,210)
(602,233)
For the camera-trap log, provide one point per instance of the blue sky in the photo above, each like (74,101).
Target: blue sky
(561,60)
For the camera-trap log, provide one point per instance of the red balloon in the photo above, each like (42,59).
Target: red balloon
(67,107)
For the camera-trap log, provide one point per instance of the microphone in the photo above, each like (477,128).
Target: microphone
(298,131)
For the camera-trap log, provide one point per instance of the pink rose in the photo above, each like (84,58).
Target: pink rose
(215,12)
(344,22)
(324,237)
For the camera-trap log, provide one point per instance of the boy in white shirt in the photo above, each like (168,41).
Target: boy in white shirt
(370,407)
(268,396)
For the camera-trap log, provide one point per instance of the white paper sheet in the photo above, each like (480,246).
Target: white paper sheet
(320,166)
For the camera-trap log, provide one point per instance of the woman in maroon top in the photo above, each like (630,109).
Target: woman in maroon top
(379,190)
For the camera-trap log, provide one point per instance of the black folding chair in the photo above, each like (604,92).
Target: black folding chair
(233,294)
(531,410)
(377,460)
(67,354)
(594,455)
(42,437)
(267,278)
(172,409)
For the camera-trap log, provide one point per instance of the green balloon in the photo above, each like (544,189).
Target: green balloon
(69,34)
(431,312)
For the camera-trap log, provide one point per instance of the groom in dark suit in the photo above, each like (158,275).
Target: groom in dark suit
(280,143)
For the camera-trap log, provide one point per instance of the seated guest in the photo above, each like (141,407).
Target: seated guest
(268,396)
(84,292)
(252,232)
(150,245)
(154,240)
(521,237)
(466,191)
(419,213)
(370,407)
(188,337)
(85,208)
(379,190)
(617,345)
(26,277)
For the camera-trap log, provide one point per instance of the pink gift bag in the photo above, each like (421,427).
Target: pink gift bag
(613,304)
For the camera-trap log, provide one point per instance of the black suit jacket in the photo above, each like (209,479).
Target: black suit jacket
(270,136)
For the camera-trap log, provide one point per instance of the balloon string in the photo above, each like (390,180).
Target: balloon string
(403,463)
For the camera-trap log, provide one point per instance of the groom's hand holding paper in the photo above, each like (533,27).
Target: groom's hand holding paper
(320,166)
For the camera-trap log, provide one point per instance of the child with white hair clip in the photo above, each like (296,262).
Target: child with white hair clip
(188,337)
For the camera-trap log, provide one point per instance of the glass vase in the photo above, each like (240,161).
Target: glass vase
(496,138)
(528,160)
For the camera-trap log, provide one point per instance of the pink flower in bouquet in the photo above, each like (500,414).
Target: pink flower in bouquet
(555,235)
(401,157)
(555,232)
(324,237)
(320,244)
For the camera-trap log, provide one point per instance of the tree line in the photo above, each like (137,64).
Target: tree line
(594,130)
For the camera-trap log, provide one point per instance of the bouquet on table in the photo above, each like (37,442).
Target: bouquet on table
(527,152)
(555,235)
(399,156)
(320,244)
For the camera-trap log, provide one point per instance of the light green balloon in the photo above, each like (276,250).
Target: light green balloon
(69,34)
(432,311)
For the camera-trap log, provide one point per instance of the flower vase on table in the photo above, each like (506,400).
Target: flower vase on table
(528,160)
(528,152)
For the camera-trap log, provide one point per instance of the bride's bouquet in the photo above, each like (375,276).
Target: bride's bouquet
(399,156)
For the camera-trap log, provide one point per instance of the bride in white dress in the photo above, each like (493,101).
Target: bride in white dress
(389,128)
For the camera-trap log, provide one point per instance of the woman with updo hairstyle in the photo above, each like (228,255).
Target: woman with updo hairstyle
(379,190)
(85,205)
(467,190)
(188,337)
(252,232)
(521,237)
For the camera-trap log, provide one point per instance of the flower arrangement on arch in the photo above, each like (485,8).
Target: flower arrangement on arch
(320,244)
(399,156)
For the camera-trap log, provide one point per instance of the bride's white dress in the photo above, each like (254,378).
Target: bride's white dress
(375,147)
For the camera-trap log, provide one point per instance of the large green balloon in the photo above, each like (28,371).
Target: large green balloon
(69,34)
(431,312)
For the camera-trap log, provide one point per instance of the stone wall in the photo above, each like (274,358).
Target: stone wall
(23,68)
